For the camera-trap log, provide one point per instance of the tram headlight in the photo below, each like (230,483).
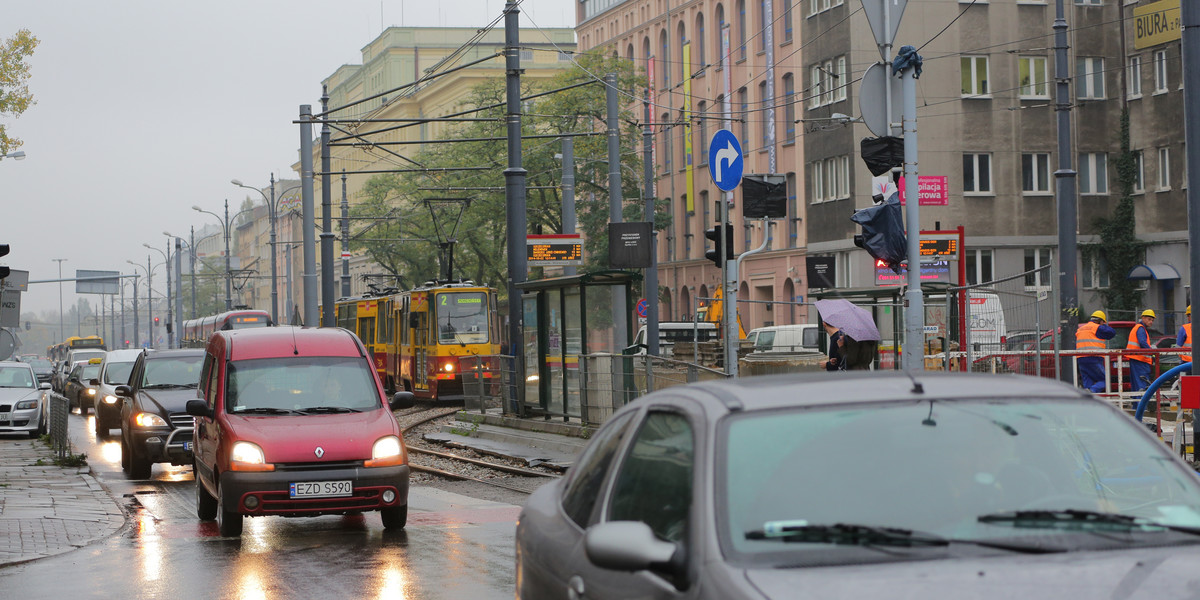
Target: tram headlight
(448,367)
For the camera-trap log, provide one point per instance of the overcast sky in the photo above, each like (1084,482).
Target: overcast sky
(146,108)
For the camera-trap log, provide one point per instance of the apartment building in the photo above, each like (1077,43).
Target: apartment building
(696,91)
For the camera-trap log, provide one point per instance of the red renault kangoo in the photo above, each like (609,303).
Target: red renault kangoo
(293,422)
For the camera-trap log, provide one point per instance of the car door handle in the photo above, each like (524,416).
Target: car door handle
(575,588)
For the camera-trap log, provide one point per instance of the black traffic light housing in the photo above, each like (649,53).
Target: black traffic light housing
(719,241)
(4,271)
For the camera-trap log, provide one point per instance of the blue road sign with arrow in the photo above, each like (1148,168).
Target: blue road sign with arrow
(725,160)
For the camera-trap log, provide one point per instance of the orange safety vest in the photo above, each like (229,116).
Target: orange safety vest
(1133,345)
(1085,337)
(1187,342)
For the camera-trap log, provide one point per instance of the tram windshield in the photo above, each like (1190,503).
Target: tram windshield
(462,317)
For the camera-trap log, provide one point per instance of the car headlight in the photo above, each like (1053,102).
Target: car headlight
(110,399)
(27,404)
(247,456)
(387,452)
(91,392)
(149,420)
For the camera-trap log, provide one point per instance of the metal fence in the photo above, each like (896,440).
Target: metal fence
(60,409)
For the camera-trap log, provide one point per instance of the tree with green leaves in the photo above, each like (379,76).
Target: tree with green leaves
(1119,245)
(402,237)
(15,97)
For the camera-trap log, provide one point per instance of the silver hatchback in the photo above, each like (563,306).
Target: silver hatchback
(870,486)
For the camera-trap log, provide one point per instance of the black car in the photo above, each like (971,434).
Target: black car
(43,368)
(155,428)
(78,386)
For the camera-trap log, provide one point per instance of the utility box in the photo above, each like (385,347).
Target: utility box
(1189,392)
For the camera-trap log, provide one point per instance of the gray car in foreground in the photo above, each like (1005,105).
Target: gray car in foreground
(867,486)
(21,400)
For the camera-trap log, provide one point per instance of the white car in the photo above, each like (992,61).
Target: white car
(21,400)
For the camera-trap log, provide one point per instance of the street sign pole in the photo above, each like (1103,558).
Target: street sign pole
(914,300)
(725,164)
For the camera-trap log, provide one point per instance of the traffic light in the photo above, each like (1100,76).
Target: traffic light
(715,234)
(155,321)
(883,235)
(4,271)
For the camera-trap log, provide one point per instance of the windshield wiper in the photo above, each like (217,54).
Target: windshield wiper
(867,535)
(329,409)
(163,386)
(1077,520)
(262,410)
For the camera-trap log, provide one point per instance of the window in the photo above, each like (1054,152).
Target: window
(671,234)
(830,178)
(1164,169)
(526,55)
(816,176)
(814,86)
(977,173)
(1035,258)
(744,100)
(702,132)
(1089,78)
(1135,76)
(1087,2)
(717,34)
(839,92)
(763,102)
(827,71)
(789,109)
(698,47)
(719,110)
(763,24)
(665,53)
(680,34)
(787,19)
(581,493)
(707,208)
(1093,173)
(687,227)
(1034,81)
(1160,71)
(975,76)
(1139,172)
(1035,173)
(793,226)
(979,266)
(741,29)
(814,7)
(666,146)
(1093,272)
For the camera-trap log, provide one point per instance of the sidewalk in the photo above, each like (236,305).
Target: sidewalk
(46,509)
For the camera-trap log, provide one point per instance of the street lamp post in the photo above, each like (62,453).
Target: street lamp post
(61,333)
(170,315)
(228,273)
(18,155)
(272,208)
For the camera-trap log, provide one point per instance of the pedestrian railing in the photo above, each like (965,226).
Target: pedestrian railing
(60,409)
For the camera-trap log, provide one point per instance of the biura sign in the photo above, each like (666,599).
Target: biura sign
(1156,23)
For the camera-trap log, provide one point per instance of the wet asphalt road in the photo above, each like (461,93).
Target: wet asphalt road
(453,547)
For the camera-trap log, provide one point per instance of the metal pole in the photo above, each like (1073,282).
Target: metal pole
(651,287)
(914,300)
(123,334)
(170,300)
(1189,17)
(345,241)
(228,272)
(615,202)
(568,192)
(61,332)
(309,275)
(328,291)
(274,257)
(136,341)
(1065,189)
(514,190)
(192,266)
(178,322)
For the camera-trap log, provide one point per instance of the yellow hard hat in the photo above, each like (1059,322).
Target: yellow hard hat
(1099,315)
(1149,313)
(1189,310)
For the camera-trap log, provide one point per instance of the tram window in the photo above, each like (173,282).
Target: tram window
(462,318)
(366,330)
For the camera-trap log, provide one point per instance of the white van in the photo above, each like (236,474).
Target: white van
(676,332)
(785,338)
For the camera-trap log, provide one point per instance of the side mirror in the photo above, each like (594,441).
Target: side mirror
(45,385)
(403,400)
(123,391)
(629,546)
(198,408)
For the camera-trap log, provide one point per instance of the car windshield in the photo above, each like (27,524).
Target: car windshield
(16,377)
(462,318)
(89,371)
(174,371)
(40,363)
(938,466)
(300,383)
(118,373)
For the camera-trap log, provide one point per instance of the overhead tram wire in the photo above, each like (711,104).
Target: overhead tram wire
(458,140)
(317,117)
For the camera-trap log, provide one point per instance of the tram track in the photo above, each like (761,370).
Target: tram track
(463,468)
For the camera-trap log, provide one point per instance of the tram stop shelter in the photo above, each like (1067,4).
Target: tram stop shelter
(563,319)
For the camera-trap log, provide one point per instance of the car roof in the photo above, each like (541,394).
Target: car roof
(274,342)
(123,355)
(177,352)
(836,388)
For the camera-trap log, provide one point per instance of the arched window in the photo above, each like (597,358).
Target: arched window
(698,47)
(764,24)
(629,52)
(663,57)
(720,12)
(740,36)
(646,52)
(665,127)
(702,133)
(786,22)
(680,34)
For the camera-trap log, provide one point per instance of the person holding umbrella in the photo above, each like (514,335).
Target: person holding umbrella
(835,348)
(859,344)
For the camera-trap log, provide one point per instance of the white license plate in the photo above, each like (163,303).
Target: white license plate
(187,446)
(321,489)
(4,416)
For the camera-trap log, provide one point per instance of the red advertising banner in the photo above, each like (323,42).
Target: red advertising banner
(932,190)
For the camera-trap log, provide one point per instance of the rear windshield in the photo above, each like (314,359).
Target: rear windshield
(300,383)
(176,371)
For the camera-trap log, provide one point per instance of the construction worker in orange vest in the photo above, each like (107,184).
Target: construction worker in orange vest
(1184,339)
(1091,336)
(1139,364)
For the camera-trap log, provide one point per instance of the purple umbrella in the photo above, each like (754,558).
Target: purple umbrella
(853,321)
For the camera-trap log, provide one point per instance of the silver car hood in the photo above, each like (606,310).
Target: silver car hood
(1157,573)
(15,395)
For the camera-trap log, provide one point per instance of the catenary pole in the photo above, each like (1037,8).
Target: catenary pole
(328,291)
(615,203)
(1065,200)
(648,214)
(309,275)
(1190,48)
(514,190)
(568,192)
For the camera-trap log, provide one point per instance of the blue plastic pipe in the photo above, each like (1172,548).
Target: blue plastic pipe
(1183,368)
